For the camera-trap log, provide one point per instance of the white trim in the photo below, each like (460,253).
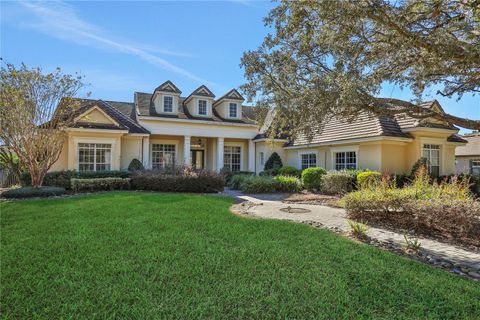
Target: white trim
(235,144)
(301,153)
(161,141)
(96,130)
(438,130)
(223,123)
(95,107)
(334,151)
(111,141)
(198,107)
(237,110)
(270,140)
(332,143)
(163,103)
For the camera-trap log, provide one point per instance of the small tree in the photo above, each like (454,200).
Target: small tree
(34,107)
(135,165)
(274,162)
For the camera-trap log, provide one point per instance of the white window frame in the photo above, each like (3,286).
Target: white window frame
(94,154)
(175,155)
(262,158)
(230,105)
(163,103)
(232,144)
(206,107)
(300,156)
(427,147)
(336,150)
(474,166)
(345,164)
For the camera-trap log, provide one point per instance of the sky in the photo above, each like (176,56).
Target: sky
(123,47)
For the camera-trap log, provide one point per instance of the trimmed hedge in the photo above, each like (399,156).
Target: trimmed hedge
(100,184)
(312,178)
(135,165)
(368,179)
(339,182)
(199,182)
(266,184)
(289,171)
(273,162)
(30,192)
(63,178)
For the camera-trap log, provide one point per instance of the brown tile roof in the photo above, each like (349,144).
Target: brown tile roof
(472,148)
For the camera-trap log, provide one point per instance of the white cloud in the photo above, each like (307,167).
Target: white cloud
(60,20)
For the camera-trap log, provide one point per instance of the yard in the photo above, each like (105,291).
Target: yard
(136,255)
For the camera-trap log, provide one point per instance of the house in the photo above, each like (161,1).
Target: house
(166,128)
(467,157)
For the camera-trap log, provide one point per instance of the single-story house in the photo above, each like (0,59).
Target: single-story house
(467,157)
(164,127)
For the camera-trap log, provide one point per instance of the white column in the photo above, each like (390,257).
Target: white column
(251,156)
(186,150)
(146,153)
(220,144)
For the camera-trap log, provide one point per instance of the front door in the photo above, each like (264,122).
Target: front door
(198,160)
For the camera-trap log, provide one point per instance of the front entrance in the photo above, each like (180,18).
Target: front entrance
(198,158)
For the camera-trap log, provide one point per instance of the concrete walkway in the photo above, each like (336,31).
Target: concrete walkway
(268,206)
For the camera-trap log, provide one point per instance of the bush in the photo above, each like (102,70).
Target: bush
(312,178)
(339,182)
(273,162)
(270,172)
(236,181)
(186,181)
(445,209)
(29,192)
(63,178)
(287,184)
(100,184)
(421,163)
(289,171)
(135,165)
(368,179)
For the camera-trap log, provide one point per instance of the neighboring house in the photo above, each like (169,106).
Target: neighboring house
(467,157)
(165,128)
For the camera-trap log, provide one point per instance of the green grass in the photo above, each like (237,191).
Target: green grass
(145,255)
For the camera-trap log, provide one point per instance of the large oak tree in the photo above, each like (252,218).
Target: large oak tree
(328,58)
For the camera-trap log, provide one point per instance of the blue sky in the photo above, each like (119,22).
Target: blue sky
(122,47)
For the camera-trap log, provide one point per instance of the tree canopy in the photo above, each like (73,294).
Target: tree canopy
(34,107)
(330,58)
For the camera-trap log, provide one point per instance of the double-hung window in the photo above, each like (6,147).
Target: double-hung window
(233,110)
(163,156)
(345,160)
(475,167)
(94,156)
(202,107)
(262,158)
(232,157)
(309,160)
(431,152)
(167,104)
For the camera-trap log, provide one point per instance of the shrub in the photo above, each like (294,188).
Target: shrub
(368,179)
(339,182)
(263,184)
(236,181)
(421,163)
(100,184)
(357,229)
(289,171)
(287,184)
(445,209)
(29,192)
(62,178)
(135,165)
(270,172)
(273,162)
(184,181)
(312,178)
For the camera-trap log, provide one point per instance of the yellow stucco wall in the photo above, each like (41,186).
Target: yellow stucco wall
(96,116)
(131,149)
(268,148)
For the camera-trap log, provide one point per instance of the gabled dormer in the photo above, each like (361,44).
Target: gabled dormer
(229,106)
(199,102)
(165,98)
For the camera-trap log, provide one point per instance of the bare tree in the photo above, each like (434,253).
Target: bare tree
(34,108)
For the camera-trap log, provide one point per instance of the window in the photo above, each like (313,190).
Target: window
(163,155)
(309,160)
(94,156)
(345,160)
(432,153)
(475,167)
(231,157)
(202,107)
(233,110)
(167,104)
(262,158)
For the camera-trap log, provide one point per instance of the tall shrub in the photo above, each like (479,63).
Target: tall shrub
(312,178)
(273,162)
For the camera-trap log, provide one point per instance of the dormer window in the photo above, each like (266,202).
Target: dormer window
(167,104)
(233,110)
(202,107)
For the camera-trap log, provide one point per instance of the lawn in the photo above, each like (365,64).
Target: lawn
(144,255)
